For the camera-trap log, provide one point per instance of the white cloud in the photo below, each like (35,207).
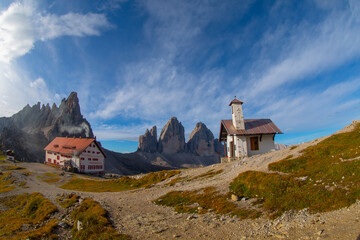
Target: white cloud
(17,89)
(158,88)
(155,92)
(309,51)
(38,83)
(315,110)
(22,24)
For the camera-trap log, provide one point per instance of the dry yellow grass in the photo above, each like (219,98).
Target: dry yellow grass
(95,225)
(121,184)
(30,209)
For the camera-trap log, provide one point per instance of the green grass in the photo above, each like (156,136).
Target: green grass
(32,209)
(209,174)
(6,182)
(95,224)
(330,172)
(68,201)
(50,178)
(208,199)
(177,180)
(293,147)
(121,184)
(11,168)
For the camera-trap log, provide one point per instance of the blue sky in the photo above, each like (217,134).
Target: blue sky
(136,64)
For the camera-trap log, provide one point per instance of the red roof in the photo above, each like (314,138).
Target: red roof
(236,101)
(71,146)
(252,127)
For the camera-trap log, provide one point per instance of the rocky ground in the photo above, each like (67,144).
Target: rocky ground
(134,213)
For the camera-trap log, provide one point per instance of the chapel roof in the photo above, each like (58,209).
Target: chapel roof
(252,127)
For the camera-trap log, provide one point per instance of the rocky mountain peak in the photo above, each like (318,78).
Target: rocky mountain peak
(148,141)
(172,137)
(201,141)
(40,123)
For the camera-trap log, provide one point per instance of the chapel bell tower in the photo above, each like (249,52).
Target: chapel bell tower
(237,114)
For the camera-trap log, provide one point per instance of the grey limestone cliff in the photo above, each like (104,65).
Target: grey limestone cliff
(148,141)
(201,141)
(172,137)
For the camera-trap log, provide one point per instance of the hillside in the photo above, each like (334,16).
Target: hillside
(309,191)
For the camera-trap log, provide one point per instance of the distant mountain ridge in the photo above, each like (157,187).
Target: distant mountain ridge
(171,151)
(172,140)
(31,129)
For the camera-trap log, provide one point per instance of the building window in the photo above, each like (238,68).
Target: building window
(254,142)
(58,157)
(82,158)
(95,159)
(98,152)
(89,159)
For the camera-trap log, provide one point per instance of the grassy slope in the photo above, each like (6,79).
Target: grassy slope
(202,201)
(30,209)
(33,211)
(95,225)
(122,184)
(325,177)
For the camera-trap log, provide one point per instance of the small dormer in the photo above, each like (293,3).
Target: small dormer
(237,114)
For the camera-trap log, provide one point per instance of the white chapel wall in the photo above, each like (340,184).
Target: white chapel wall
(265,145)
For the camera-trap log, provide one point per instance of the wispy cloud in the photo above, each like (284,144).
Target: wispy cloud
(309,51)
(22,24)
(319,109)
(291,53)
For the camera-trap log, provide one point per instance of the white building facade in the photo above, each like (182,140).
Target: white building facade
(246,137)
(78,154)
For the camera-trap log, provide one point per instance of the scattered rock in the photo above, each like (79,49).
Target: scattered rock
(63,224)
(79,225)
(234,198)
(25,227)
(319,233)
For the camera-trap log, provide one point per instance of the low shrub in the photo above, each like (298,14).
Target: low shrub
(202,201)
(121,184)
(31,209)
(325,177)
(95,225)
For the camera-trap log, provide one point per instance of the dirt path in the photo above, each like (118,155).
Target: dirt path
(133,212)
